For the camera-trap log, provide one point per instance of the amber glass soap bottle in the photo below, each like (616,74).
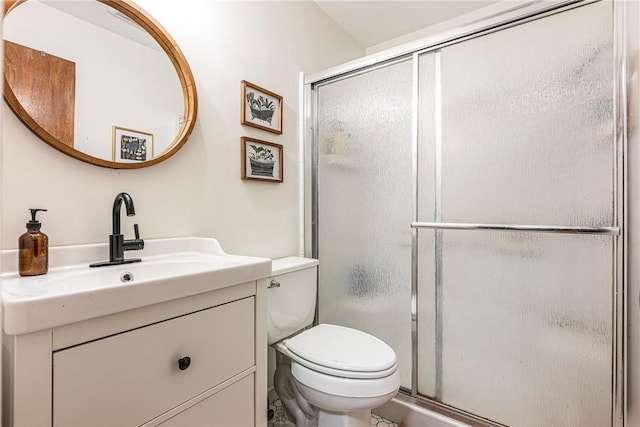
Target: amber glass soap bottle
(33,249)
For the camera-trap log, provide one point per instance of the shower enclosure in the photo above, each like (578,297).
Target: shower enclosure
(467,202)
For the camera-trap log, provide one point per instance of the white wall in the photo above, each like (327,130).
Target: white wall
(198,191)
(460,21)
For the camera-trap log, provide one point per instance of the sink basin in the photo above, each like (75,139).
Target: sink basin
(153,269)
(72,291)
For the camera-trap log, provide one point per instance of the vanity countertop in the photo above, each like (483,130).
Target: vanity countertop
(72,291)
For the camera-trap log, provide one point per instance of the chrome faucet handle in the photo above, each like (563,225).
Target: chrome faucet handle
(136,231)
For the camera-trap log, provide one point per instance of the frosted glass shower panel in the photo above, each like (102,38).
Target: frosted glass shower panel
(365,205)
(527,327)
(516,127)
(429,135)
(527,127)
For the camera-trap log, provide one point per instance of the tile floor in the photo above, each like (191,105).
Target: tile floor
(278,417)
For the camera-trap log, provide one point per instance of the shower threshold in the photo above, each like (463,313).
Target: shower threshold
(409,411)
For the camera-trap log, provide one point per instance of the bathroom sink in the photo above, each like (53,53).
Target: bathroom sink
(72,291)
(160,268)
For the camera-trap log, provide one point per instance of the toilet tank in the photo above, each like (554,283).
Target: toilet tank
(291,296)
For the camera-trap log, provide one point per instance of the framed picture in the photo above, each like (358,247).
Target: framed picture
(261,108)
(260,160)
(131,146)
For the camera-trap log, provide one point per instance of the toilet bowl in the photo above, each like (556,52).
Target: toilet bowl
(341,372)
(326,375)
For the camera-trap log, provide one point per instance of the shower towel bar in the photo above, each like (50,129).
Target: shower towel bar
(609,231)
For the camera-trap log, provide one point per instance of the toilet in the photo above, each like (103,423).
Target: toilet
(326,375)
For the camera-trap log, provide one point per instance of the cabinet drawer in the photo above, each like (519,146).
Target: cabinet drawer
(230,407)
(132,377)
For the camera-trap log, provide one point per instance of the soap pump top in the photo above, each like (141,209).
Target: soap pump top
(34,223)
(33,248)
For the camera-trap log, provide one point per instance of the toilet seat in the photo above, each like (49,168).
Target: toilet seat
(340,351)
(346,387)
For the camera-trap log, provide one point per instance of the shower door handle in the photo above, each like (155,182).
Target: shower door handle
(609,231)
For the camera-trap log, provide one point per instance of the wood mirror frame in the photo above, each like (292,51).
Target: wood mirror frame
(152,27)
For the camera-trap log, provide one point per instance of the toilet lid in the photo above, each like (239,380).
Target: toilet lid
(342,348)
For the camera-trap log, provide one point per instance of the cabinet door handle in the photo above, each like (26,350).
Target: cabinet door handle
(273,284)
(184,362)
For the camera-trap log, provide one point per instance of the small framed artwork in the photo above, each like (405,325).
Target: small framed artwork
(260,108)
(130,146)
(260,160)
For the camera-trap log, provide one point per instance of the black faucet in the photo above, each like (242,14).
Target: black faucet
(117,244)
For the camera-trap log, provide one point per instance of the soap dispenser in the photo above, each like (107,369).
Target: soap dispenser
(33,248)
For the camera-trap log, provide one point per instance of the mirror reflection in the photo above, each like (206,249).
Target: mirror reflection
(93,79)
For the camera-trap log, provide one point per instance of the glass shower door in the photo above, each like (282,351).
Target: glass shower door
(516,127)
(512,127)
(365,205)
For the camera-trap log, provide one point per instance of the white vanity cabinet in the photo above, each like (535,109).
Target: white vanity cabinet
(158,366)
(198,360)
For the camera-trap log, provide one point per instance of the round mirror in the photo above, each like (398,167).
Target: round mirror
(99,80)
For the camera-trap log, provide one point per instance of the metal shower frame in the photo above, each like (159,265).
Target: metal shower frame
(409,52)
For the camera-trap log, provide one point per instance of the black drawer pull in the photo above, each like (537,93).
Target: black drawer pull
(184,362)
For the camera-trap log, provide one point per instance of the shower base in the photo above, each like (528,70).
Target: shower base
(410,412)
